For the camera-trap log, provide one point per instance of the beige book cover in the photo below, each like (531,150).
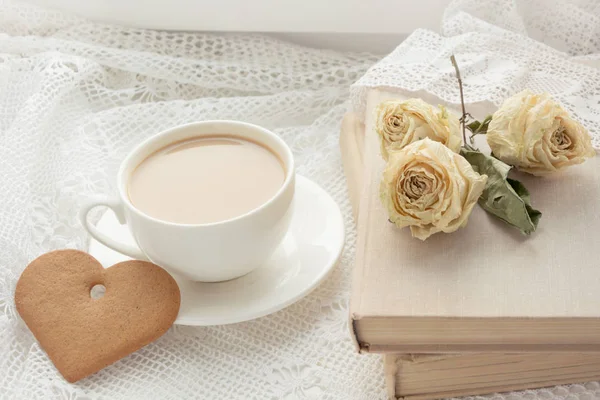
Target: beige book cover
(484,288)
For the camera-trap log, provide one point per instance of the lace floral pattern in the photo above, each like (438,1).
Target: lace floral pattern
(76,96)
(502,47)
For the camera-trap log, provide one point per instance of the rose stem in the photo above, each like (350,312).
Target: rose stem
(463,120)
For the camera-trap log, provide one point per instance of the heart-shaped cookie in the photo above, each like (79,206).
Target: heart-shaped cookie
(81,334)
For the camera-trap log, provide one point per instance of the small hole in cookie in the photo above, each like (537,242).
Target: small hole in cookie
(97,291)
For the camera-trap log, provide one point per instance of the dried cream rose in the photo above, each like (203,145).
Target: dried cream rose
(535,134)
(405,122)
(429,188)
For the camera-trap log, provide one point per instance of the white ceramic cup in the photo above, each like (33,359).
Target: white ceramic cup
(202,252)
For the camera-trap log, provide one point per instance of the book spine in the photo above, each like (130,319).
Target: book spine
(351,147)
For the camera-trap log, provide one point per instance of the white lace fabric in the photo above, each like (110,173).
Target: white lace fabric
(502,47)
(76,96)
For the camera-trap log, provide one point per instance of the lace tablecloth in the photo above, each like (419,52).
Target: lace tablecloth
(75,96)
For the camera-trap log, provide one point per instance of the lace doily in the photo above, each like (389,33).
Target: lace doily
(76,96)
(502,47)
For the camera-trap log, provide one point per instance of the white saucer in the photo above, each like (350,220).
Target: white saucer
(304,258)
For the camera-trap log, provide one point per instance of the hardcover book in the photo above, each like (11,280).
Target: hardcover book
(432,376)
(485,287)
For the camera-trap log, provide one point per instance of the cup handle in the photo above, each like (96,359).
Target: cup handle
(116,206)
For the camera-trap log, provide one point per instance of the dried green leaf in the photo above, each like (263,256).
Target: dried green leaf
(474,126)
(506,198)
(479,128)
(523,193)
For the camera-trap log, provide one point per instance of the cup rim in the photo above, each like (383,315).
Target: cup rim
(289,173)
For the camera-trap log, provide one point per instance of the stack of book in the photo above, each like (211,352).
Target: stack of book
(483,309)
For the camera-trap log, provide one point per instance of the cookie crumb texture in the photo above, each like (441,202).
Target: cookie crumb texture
(82,335)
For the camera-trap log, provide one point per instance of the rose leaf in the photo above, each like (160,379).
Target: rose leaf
(480,128)
(506,198)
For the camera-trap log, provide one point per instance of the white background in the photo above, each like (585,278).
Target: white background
(361,25)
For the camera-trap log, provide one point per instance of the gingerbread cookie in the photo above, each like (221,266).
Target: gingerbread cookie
(81,334)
